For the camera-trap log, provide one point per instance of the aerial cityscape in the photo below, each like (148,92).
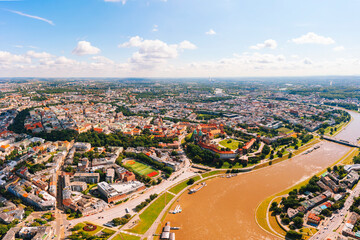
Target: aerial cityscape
(179,119)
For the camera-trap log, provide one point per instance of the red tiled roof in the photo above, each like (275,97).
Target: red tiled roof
(214,149)
(313,217)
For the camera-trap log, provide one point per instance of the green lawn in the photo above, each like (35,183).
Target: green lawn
(230,143)
(285,130)
(187,136)
(124,236)
(338,129)
(208,174)
(176,189)
(80,225)
(235,166)
(109,232)
(98,229)
(308,232)
(150,214)
(90,186)
(92,233)
(140,168)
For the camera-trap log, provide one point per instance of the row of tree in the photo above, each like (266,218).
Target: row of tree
(119,139)
(145,203)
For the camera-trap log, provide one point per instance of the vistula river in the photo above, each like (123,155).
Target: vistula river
(225,208)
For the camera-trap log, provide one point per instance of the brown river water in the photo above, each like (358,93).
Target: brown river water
(225,208)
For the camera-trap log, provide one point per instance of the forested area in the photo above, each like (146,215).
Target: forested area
(199,155)
(18,125)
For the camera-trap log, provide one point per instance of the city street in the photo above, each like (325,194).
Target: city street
(119,210)
(332,225)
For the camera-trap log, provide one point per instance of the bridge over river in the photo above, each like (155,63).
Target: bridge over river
(341,141)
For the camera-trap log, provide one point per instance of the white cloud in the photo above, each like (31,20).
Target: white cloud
(102,60)
(9,58)
(210,32)
(187,45)
(32,16)
(133,42)
(85,48)
(153,52)
(122,1)
(155,28)
(64,60)
(270,43)
(58,61)
(311,37)
(339,48)
(152,58)
(34,54)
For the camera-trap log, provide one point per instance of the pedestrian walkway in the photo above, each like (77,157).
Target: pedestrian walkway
(171,193)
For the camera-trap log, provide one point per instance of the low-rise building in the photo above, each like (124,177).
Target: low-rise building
(82,146)
(78,186)
(313,219)
(86,177)
(110,174)
(115,192)
(17,189)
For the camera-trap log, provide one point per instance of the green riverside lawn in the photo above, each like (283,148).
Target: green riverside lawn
(125,236)
(176,189)
(148,217)
(208,174)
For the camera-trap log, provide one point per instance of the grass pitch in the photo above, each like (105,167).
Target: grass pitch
(140,168)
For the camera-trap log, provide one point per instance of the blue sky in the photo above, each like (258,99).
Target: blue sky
(178,38)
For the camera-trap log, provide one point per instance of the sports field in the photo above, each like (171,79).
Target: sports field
(141,168)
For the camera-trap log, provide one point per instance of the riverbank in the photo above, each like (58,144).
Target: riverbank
(176,191)
(286,156)
(262,212)
(264,162)
(226,205)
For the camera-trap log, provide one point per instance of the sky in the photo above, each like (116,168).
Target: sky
(179,38)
